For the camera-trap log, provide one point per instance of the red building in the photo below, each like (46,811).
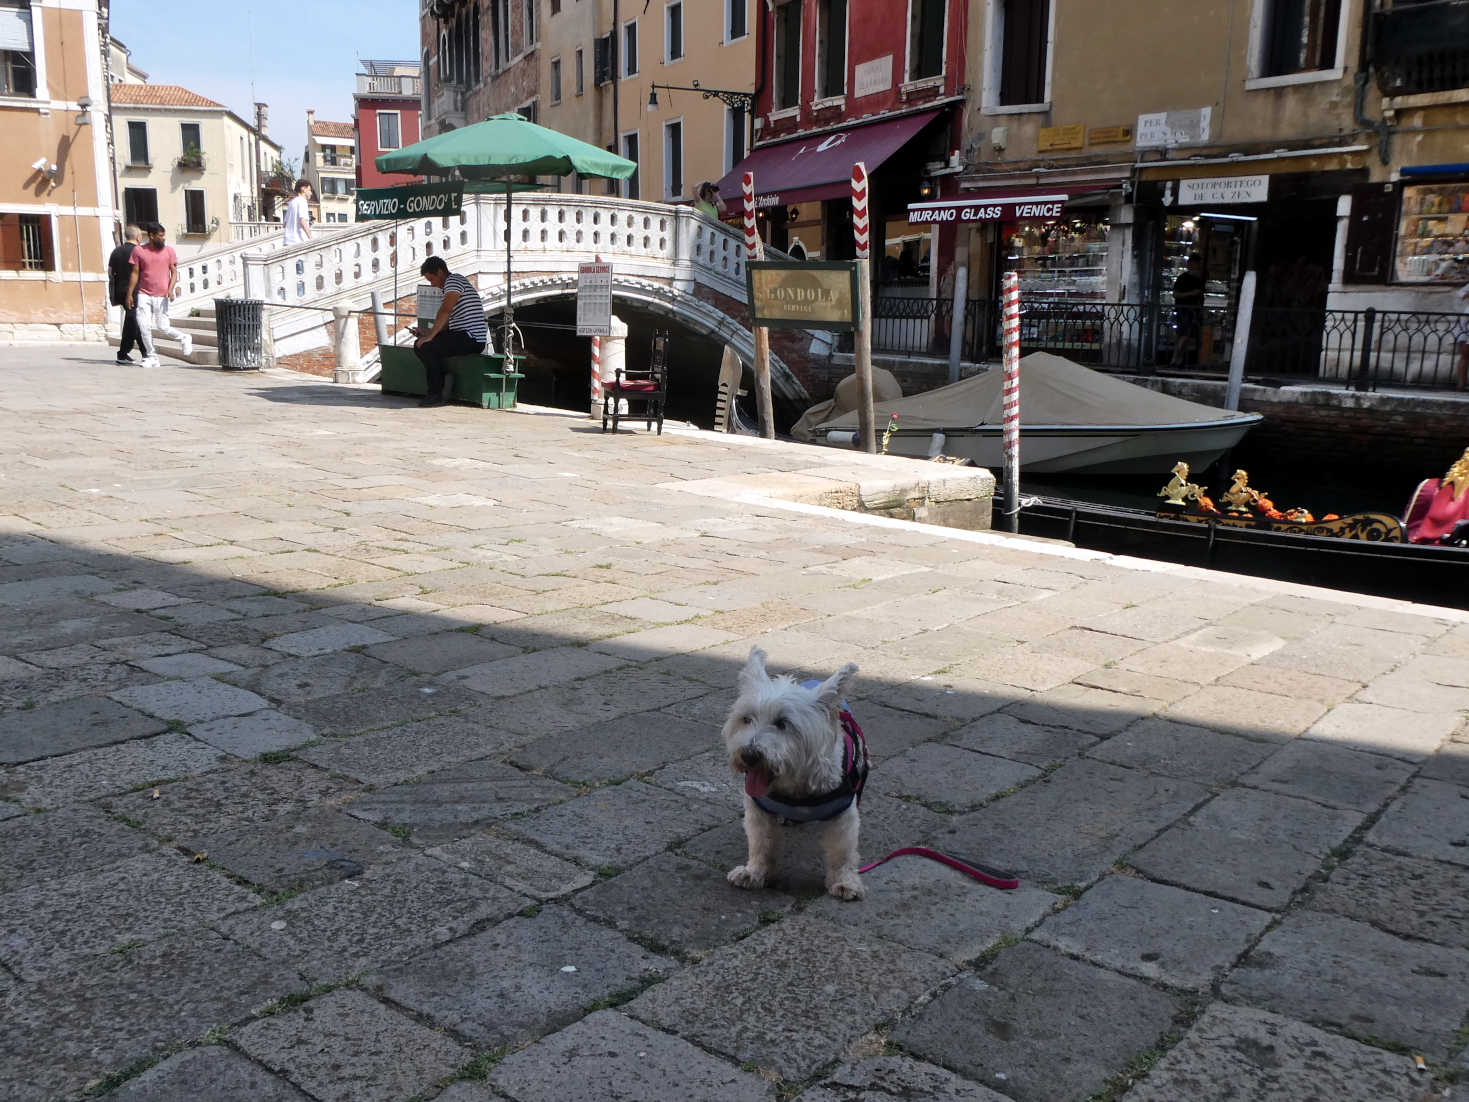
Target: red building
(385,112)
(883,85)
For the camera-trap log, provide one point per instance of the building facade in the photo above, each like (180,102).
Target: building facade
(480,58)
(57,210)
(329,164)
(385,112)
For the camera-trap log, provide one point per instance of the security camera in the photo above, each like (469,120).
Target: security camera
(39,165)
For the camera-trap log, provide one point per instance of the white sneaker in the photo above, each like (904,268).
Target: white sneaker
(150,361)
(188,344)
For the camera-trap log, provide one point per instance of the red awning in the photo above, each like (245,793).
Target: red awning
(820,167)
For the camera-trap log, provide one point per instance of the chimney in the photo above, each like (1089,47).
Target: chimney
(262,120)
(310,120)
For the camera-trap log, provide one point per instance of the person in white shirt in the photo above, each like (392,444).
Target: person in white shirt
(297,220)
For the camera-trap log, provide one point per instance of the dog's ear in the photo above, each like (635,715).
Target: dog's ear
(831,691)
(753,674)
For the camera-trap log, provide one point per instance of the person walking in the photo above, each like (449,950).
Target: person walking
(119,272)
(1188,306)
(150,287)
(297,219)
(459,329)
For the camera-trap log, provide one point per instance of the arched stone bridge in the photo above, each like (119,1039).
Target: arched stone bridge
(667,260)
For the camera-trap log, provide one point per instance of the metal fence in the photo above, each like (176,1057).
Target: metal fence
(1362,349)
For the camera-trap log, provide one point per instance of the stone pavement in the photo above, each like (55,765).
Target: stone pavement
(355,751)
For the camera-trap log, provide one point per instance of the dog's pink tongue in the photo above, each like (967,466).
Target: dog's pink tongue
(757,781)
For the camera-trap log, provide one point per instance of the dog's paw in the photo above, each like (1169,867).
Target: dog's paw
(849,889)
(742,876)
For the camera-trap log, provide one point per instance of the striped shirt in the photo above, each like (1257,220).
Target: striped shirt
(468,314)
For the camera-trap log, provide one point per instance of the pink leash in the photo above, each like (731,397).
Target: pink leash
(1005,881)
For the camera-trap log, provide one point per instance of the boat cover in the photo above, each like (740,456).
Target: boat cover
(1053,391)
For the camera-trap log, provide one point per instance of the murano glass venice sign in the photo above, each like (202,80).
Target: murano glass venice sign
(1014,208)
(413,201)
(811,295)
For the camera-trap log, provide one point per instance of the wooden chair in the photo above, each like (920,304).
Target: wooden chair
(649,387)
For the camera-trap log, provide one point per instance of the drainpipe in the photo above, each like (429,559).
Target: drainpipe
(1381,127)
(614,52)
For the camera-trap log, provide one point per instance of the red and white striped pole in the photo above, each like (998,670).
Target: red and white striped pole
(753,251)
(862,335)
(1011,398)
(596,376)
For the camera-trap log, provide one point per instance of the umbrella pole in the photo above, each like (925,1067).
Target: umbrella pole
(509,310)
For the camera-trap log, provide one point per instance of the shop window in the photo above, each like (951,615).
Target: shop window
(1369,234)
(673,159)
(1297,36)
(735,124)
(194,221)
(736,23)
(17,50)
(831,48)
(630,49)
(1433,234)
(925,38)
(673,32)
(1017,53)
(787,89)
(629,187)
(140,205)
(1064,259)
(25,243)
(137,144)
(388,135)
(555,80)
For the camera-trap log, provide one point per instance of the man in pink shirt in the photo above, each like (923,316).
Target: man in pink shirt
(155,273)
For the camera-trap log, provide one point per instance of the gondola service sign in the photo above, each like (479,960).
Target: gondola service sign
(810,295)
(412,201)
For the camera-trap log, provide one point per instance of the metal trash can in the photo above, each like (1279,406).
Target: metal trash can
(239,325)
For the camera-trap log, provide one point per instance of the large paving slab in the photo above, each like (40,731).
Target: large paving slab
(301,850)
(517,981)
(520,867)
(603,752)
(1039,1026)
(608,1057)
(108,770)
(1430,819)
(207,1071)
(55,729)
(1409,896)
(896,1077)
(62,842)
(1236,1052)
(411,749)
(763,1014)
(1355,979)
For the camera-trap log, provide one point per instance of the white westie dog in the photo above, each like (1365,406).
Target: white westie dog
(804,761)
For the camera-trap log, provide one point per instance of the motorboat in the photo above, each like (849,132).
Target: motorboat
(1071,419)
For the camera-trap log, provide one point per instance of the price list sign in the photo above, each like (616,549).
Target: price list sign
(594,300)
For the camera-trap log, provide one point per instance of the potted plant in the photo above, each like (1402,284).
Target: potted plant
(192,158)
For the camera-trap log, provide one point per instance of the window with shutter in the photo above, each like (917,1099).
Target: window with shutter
(1023,57)
(602,59)
(787,90)
(1369,234)
(926,39)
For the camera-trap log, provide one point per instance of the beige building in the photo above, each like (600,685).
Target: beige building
(330,165)
(56,199)
(188,163)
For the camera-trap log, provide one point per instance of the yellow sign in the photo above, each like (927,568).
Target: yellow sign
(1060,137)
(1101,135)
(811,295)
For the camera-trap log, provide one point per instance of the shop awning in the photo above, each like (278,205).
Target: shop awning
(820,167)
(999,207)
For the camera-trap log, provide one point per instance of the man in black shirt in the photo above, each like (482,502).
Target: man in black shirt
(120,270)
(1188,303)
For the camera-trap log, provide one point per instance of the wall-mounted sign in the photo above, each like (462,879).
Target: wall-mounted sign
(803,296)
(412,201)
(1168,128)
(872,76)
(1009,209)
(1103,135)
(1223,190)
(1060,137)
(594,300)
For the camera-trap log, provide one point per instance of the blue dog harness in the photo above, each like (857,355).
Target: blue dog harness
(828,805)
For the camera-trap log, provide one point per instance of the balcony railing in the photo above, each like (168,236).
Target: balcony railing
(407,87)
(1422,47)
(339,162)
(448,104)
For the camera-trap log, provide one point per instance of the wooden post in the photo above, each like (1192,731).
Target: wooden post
(753,251)
(1240,350)
(862,337)
(956,319)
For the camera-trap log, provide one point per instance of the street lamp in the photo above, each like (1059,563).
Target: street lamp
(745,101)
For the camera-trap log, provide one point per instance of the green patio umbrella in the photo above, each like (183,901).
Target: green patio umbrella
(501,147)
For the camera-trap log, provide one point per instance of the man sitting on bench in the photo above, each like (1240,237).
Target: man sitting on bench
(458,330)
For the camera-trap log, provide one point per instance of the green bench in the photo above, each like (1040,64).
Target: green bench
(479,379)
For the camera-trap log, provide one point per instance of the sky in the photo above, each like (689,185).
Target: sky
(297,55)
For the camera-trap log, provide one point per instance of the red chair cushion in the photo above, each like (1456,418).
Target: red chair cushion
(637,385)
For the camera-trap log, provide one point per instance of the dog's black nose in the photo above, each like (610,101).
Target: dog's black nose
(750,756)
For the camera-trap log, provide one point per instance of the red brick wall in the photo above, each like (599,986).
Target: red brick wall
(323,361)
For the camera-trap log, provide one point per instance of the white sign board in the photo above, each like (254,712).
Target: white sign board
(1166,128)
(594,300)
(873,76)
(1223,190)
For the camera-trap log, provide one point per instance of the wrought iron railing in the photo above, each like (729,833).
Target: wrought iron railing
(1363,349)
(1421,47)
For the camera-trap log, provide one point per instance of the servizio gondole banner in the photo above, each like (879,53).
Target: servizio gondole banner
(808,295)
(409,201)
